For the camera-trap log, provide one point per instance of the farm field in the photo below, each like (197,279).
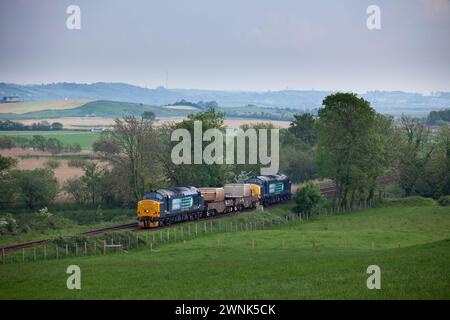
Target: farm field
(410,241)
(24,107)
(67,137)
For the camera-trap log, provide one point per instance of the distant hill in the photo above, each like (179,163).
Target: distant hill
(392,102)
(100,108)
(112,109)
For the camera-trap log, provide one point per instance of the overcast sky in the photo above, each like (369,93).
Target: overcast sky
(230,44)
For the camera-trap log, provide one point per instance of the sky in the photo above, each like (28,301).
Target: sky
(254,45)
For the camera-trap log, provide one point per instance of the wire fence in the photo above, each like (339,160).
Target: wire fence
(122,242)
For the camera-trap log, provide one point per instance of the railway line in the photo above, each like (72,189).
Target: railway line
(328,190)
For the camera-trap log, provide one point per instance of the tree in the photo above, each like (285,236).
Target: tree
(149,116)
(434,178)
(350,147)
(38,187)
(192,174)
(415,152)
(6,163)
(308,198)
(39,142)
(91,180)
(54,145)
(136,141)
(303,128)
(106,146)
(75,188)
(8,188)
(57,126)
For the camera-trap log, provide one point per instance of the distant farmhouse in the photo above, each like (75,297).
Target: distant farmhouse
(8,99)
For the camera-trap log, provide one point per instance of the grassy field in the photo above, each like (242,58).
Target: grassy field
(24,107)
(410,243)
(67,137)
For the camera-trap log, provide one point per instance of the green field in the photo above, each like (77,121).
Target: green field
(24,107)
(410,243)
(67,137)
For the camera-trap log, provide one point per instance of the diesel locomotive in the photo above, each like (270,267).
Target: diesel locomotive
(172,205)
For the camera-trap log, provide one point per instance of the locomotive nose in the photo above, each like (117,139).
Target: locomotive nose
(148,212)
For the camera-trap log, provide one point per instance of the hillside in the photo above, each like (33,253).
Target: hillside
(392,102)
(99,108)
(24,107)
(111,109)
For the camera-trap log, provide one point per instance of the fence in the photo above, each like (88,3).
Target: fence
(122,242)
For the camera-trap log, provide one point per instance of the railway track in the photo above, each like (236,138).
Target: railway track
(24,245)
(129,226)
(327,190)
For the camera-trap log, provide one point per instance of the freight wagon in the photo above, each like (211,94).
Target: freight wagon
(166,206)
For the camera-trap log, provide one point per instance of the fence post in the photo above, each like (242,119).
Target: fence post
(67,250)
(104,246)
(204,224)
(23,254)
(85,248)
(168,234)
(210,223)
(57,252)
(196,231)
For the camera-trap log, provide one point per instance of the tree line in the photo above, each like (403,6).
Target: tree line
(38,142)
(9,125)
(347,141)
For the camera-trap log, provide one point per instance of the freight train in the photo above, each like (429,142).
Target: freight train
(172,205)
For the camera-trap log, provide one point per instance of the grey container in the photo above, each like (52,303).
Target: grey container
(236,190)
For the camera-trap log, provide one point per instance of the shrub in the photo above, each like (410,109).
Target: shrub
(6,143)
(412,201)
(444,201)
(37,188)
(77,163)
(8,225)
(52,163)
(308,198)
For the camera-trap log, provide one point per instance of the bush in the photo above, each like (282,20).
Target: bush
(444,201)
(412,201)
(6,143)
(8,225)
(77,163)
(44,220)
(37,188)
(308,198)
(52,163)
